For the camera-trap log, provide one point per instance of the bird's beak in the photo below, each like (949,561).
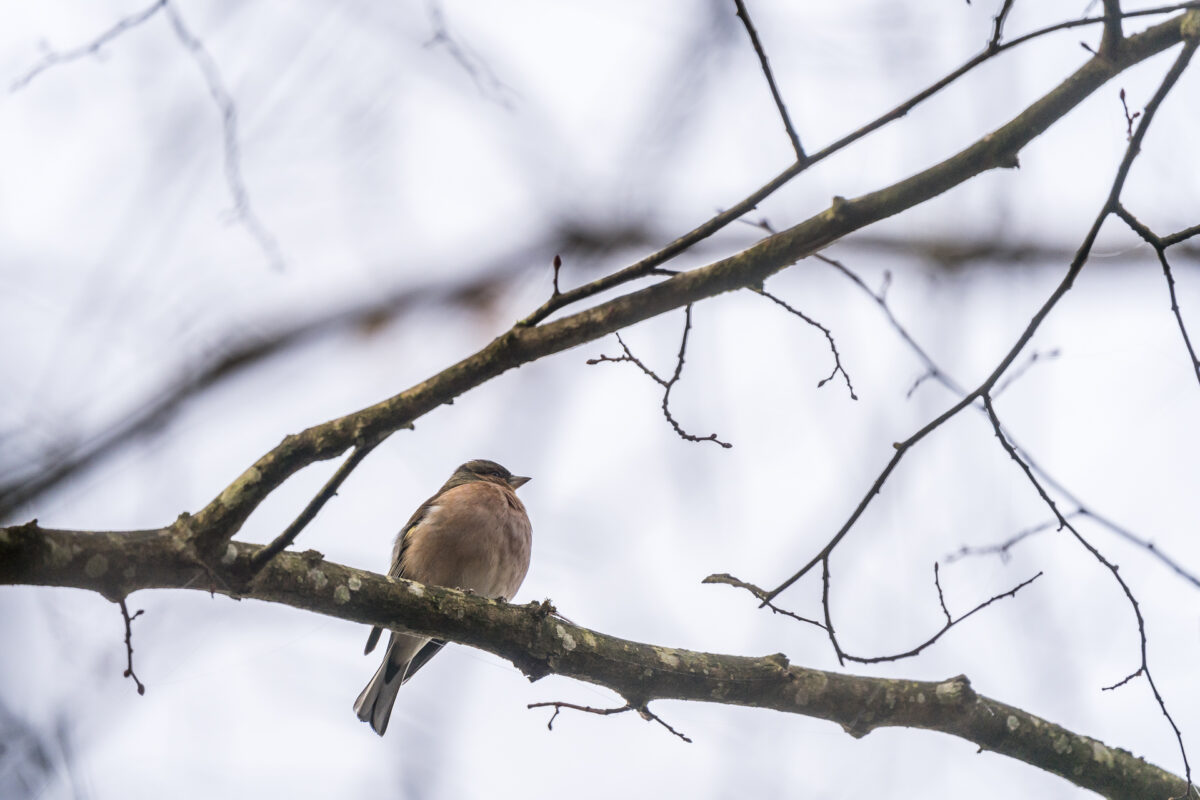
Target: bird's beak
(516,481)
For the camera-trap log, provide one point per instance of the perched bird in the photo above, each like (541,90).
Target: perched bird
(472,535)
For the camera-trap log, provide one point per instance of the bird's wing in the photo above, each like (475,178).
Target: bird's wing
(396,569)
(431,649)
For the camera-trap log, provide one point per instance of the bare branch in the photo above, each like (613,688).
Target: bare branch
(837,359)
(1018,372)
(935,372)
(667,384)
(998,25)
(649,264)
(1144,667)
(129,673)
(644,712)
(285,539)
(950,622)
(1110,42)
(540,643)
(243,211)
(484,77)
(1160,249)
(93,47)
(981,391)
(761,594)
(744,16)
(1009,543)
(1181,236)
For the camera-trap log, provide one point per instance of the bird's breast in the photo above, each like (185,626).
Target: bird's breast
(475,537)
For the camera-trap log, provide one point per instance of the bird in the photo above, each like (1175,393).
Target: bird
(473,534)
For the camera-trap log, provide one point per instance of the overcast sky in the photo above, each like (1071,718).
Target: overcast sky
(376,156)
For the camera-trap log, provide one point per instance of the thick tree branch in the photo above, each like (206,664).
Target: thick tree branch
(650,263)
(539,643)
(524,343)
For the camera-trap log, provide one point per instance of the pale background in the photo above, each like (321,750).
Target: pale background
(379,163)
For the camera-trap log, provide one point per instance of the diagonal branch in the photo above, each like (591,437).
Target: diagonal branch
(53,58)
(285,539)
(793,137)
(935,372)
(221,518)
(650,263)
(1114,569)
(1081,257)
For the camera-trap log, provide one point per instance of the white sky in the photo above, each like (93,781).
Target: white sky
(377,163)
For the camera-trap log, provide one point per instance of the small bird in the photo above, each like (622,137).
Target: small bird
(472,535)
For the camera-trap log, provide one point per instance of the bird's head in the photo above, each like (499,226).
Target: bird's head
(483,470)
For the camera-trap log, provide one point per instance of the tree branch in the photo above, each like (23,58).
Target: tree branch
(540,643)
(744,15)
(524,343)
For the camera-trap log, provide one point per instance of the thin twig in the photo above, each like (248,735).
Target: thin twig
(1160,250)
(1002,548)
(950,621)
(285,539)
(649,264)
(837,359)
(759,593)
(1068,281)
(1017,373)
(744,16)
(643,711)
(1063,522)
(667,384)
(484,77)
(129,673)
(998,25)
(934,371)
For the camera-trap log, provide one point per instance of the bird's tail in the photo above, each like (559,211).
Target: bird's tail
(374,703)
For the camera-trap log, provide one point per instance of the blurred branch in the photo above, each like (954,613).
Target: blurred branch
(541,643)
(484,77)
(243,211)
(957,252)
(53,58)
(950,622)
(292,331)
